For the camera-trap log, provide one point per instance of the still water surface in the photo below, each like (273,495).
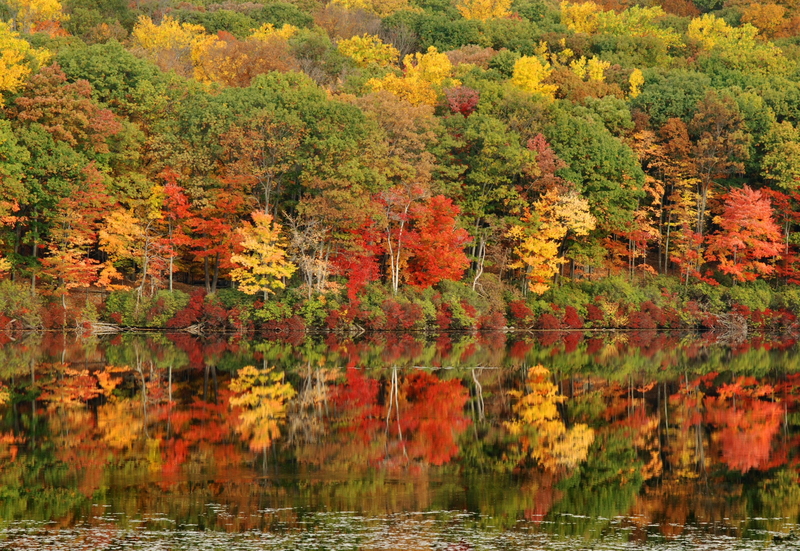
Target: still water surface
(552,441)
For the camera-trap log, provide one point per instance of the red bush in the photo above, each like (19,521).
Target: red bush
(214,314)
(548,321)
(53,316)
(594,313)
(401,315)
(492,321)
(520,311)
(641,320)
(469,309)
(655,312)
(191,314)
(335,319)
(571,318)
(444,317)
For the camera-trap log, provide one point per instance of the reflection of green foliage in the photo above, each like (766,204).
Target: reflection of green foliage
(604,487)
(499,498)
(775,497)
(36,486)
(136,349)
(16,358)
(488,449)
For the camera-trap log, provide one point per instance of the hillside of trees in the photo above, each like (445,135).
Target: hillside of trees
(399,164)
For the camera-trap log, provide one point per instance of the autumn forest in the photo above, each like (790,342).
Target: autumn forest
(399,164)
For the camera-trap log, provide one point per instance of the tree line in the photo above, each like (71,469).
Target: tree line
(341,147)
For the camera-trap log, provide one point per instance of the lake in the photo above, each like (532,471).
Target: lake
(399,441)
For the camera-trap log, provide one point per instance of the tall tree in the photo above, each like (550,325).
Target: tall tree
(749,241)
(437,244)
(262,265)
(721,144)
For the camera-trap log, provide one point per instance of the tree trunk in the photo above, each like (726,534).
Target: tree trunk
(216,274)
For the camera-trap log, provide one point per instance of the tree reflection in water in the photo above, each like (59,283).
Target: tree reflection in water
(640,434)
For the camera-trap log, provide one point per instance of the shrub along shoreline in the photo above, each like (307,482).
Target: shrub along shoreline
(660,302)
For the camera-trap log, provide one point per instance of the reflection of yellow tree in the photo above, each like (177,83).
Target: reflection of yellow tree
(121,422)
(556,446)
(262,395)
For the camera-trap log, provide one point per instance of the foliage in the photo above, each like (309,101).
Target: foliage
(576,149)
(261,395)
(529,72)
(127,308)
(262,265)
(556,447)
(367,49)
(16,303)
(747,236)
(484,9)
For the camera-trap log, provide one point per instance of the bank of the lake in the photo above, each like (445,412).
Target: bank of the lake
(610,303)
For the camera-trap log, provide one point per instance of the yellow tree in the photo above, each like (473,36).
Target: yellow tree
(580,17)
(636,80)
(134,240)
(367,50)
(484,9)
(383,8)
(28,14)
(425,75)
(172,45)
(738,48)
(268,31)
(542,234)
(16,57)
(262,263)
(262,396)
(529,72)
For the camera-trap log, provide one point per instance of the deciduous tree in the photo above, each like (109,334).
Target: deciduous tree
(262,265)
(748,241)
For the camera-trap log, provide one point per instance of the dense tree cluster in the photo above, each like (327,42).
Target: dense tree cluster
(325,146)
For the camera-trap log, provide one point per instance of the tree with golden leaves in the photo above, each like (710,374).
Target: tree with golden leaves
(368,50)
(483,10)
(425,75)
(529,74)
(542,233)
(16,55)
(262,263)
(172,45)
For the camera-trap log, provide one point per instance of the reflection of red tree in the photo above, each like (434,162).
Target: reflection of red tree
(357,399)
(435,417)
(198,429)
(431,416)
(746,425)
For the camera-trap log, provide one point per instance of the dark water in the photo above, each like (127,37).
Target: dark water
(551,441)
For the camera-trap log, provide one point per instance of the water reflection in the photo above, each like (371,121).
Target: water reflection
(639,438)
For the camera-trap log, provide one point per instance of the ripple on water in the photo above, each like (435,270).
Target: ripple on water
(438,531)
